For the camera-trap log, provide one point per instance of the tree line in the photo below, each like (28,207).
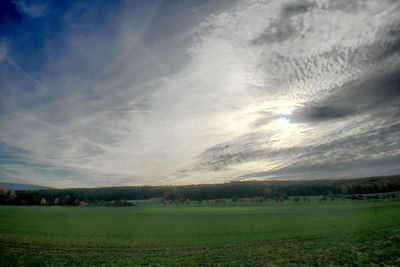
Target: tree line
(232,190)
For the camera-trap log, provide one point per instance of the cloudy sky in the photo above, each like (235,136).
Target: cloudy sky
(106,93)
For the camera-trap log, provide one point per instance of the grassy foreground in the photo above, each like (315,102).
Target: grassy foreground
(339,233)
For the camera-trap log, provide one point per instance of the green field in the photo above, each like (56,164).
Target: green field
(331,233)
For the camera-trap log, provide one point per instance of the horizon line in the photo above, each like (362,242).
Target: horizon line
(228,182)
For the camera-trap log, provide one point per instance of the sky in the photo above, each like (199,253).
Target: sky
(115,93)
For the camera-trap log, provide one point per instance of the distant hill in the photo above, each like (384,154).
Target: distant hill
(15,186)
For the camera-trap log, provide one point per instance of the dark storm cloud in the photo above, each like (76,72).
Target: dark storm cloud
(391,45)
(283,28)
(373,149)
(352,168)
(320,113)
(296,8)
(278,32)
(376,93)
(365,148)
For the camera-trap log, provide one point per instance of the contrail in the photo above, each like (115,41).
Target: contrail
(18,67)
(30,117)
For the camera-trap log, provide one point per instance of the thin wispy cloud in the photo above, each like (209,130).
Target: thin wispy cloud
(32,9)
(127,93)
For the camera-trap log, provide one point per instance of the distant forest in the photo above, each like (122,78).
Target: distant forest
(233,190)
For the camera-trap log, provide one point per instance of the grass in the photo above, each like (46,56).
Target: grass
(321,234)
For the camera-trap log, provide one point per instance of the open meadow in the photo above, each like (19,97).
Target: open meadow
(329,233)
